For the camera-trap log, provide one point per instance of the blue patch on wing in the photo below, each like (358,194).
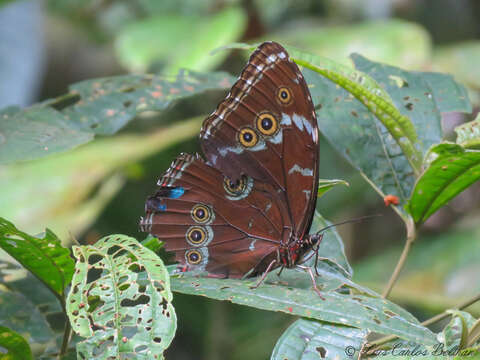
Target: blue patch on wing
(162,207)
(175,193)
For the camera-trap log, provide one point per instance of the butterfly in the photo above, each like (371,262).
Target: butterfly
(248,207)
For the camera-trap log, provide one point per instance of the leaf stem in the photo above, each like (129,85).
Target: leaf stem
(411,236)
(66,338)
(375,344)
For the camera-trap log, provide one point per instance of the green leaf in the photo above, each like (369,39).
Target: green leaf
(366,90)
(419,96)
(450,170)
(455,334)
(325,185)
(15,344)
(120,300)
(468,134)
(17,312)
(142,44)
(360,311)
(43,256)
(35,132)
(98,106)
(313,340)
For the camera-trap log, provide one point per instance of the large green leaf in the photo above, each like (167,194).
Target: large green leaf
(76,184)
(313,340)
(16,346)
(419,96)
(17,312)
(362,311)
(99,106)
(43,256)
(120,300)
(143,43)
(450,170)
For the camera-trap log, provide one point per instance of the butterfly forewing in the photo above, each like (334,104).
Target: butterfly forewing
(266,128)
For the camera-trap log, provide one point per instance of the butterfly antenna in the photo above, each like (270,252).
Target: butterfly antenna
(350,221)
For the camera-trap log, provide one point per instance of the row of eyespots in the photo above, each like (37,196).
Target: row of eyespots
(266,122)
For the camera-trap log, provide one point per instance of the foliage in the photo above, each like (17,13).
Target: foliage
(384,120)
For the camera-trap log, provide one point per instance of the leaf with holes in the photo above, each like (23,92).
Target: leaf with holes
(120,300)
(43,256)
(313,340)
(17,347)
(94,107)
(450,170)
(468,134)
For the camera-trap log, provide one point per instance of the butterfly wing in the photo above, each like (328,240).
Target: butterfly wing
(212,225)
(266,127)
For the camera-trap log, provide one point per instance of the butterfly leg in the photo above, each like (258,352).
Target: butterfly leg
(264,275)
(310,272)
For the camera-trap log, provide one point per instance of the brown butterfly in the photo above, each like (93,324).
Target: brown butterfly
(248,208)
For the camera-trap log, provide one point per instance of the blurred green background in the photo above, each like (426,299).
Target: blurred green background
(100,188)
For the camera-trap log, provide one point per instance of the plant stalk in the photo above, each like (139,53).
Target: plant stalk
(411,236)
(66,339)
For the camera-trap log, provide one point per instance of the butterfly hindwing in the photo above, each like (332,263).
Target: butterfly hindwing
(210,225)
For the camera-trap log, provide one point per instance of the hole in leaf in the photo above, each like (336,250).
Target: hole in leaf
(112,250)
(127,103)
(157,339)
(322,351)
(164,304)
(377,321)
(142,300)
(135,268)
(142,288)
(409,106)
(93,274)
(124,287)
(141,348)
(129,331)
(94,302)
